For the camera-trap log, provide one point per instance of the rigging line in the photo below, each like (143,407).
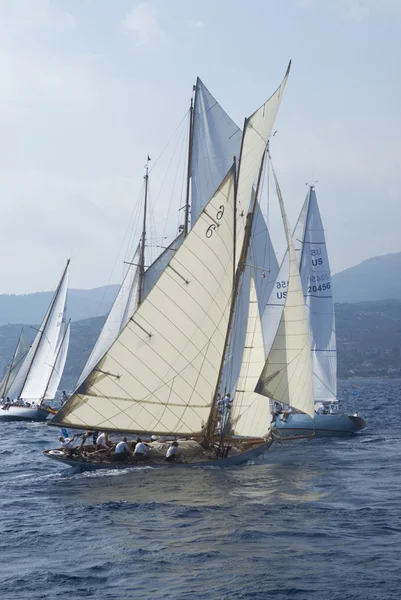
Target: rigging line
(183,144)
(168,143)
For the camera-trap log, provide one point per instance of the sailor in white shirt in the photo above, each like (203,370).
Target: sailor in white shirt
(220,403)
(68,445)
(140,448)
(102,441)
(333,408)
(171,454)
(227,401)
(122,450)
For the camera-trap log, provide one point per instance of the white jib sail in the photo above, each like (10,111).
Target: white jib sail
(161,373)
(287,374)
(123,308)
(59,365)
(250,414)
(33,377)
(216,140)
(318,292)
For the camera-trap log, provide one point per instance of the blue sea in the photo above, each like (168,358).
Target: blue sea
(317,519)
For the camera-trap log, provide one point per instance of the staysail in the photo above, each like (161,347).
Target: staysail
(123,307)
(287,374)
(318,293)
(35,372)
(250,411)
(160,374)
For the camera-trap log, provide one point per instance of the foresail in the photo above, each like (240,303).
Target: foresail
(250,414)
(160,374)
(262,256)
(59,365)
(20,353)
(317,287)
(287,374)
(123,308)
(216,140)
(157,267)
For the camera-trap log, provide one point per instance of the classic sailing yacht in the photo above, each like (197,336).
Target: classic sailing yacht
(40,372)
(310,245)
(162,373)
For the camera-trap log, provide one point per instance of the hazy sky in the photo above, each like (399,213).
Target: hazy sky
(89,87)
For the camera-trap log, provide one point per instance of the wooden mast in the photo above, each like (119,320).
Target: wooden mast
(143,237)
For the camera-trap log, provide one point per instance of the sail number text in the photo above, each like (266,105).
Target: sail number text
(219,215)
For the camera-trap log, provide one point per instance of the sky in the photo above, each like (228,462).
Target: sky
(90,87)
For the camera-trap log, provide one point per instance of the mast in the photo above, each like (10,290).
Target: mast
(55,362)
(143,237)
(236,282)
(49,312)
(10,368)
(191,130)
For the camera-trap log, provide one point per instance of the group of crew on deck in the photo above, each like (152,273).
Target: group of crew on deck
(119,452)
(7,402)
(320,409)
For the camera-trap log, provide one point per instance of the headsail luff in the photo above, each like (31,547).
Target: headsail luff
(318,293)
(33,376)
(59,364)
(20,352)
(287,374)
(250,414)
(123,308)
(160,374)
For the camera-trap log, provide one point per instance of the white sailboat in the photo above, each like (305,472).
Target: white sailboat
(161,374)
(310,245)
(40,373)
(20,352)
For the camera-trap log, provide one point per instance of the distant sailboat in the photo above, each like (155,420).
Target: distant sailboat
(20,352)
(40,372)
(310,245)
(162,373)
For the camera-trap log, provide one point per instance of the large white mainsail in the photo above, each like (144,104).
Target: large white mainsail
(287,374)
(161,372)
(33,377)
(21,350)
(317,287)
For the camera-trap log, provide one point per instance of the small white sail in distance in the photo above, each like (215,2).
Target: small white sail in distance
(161,372)
(287,374)
(21,350)
(318,292)
(32,379)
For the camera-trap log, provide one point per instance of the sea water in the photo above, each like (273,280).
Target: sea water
(317,519)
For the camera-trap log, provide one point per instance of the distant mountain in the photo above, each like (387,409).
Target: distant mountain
(30,308)
(377,278)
